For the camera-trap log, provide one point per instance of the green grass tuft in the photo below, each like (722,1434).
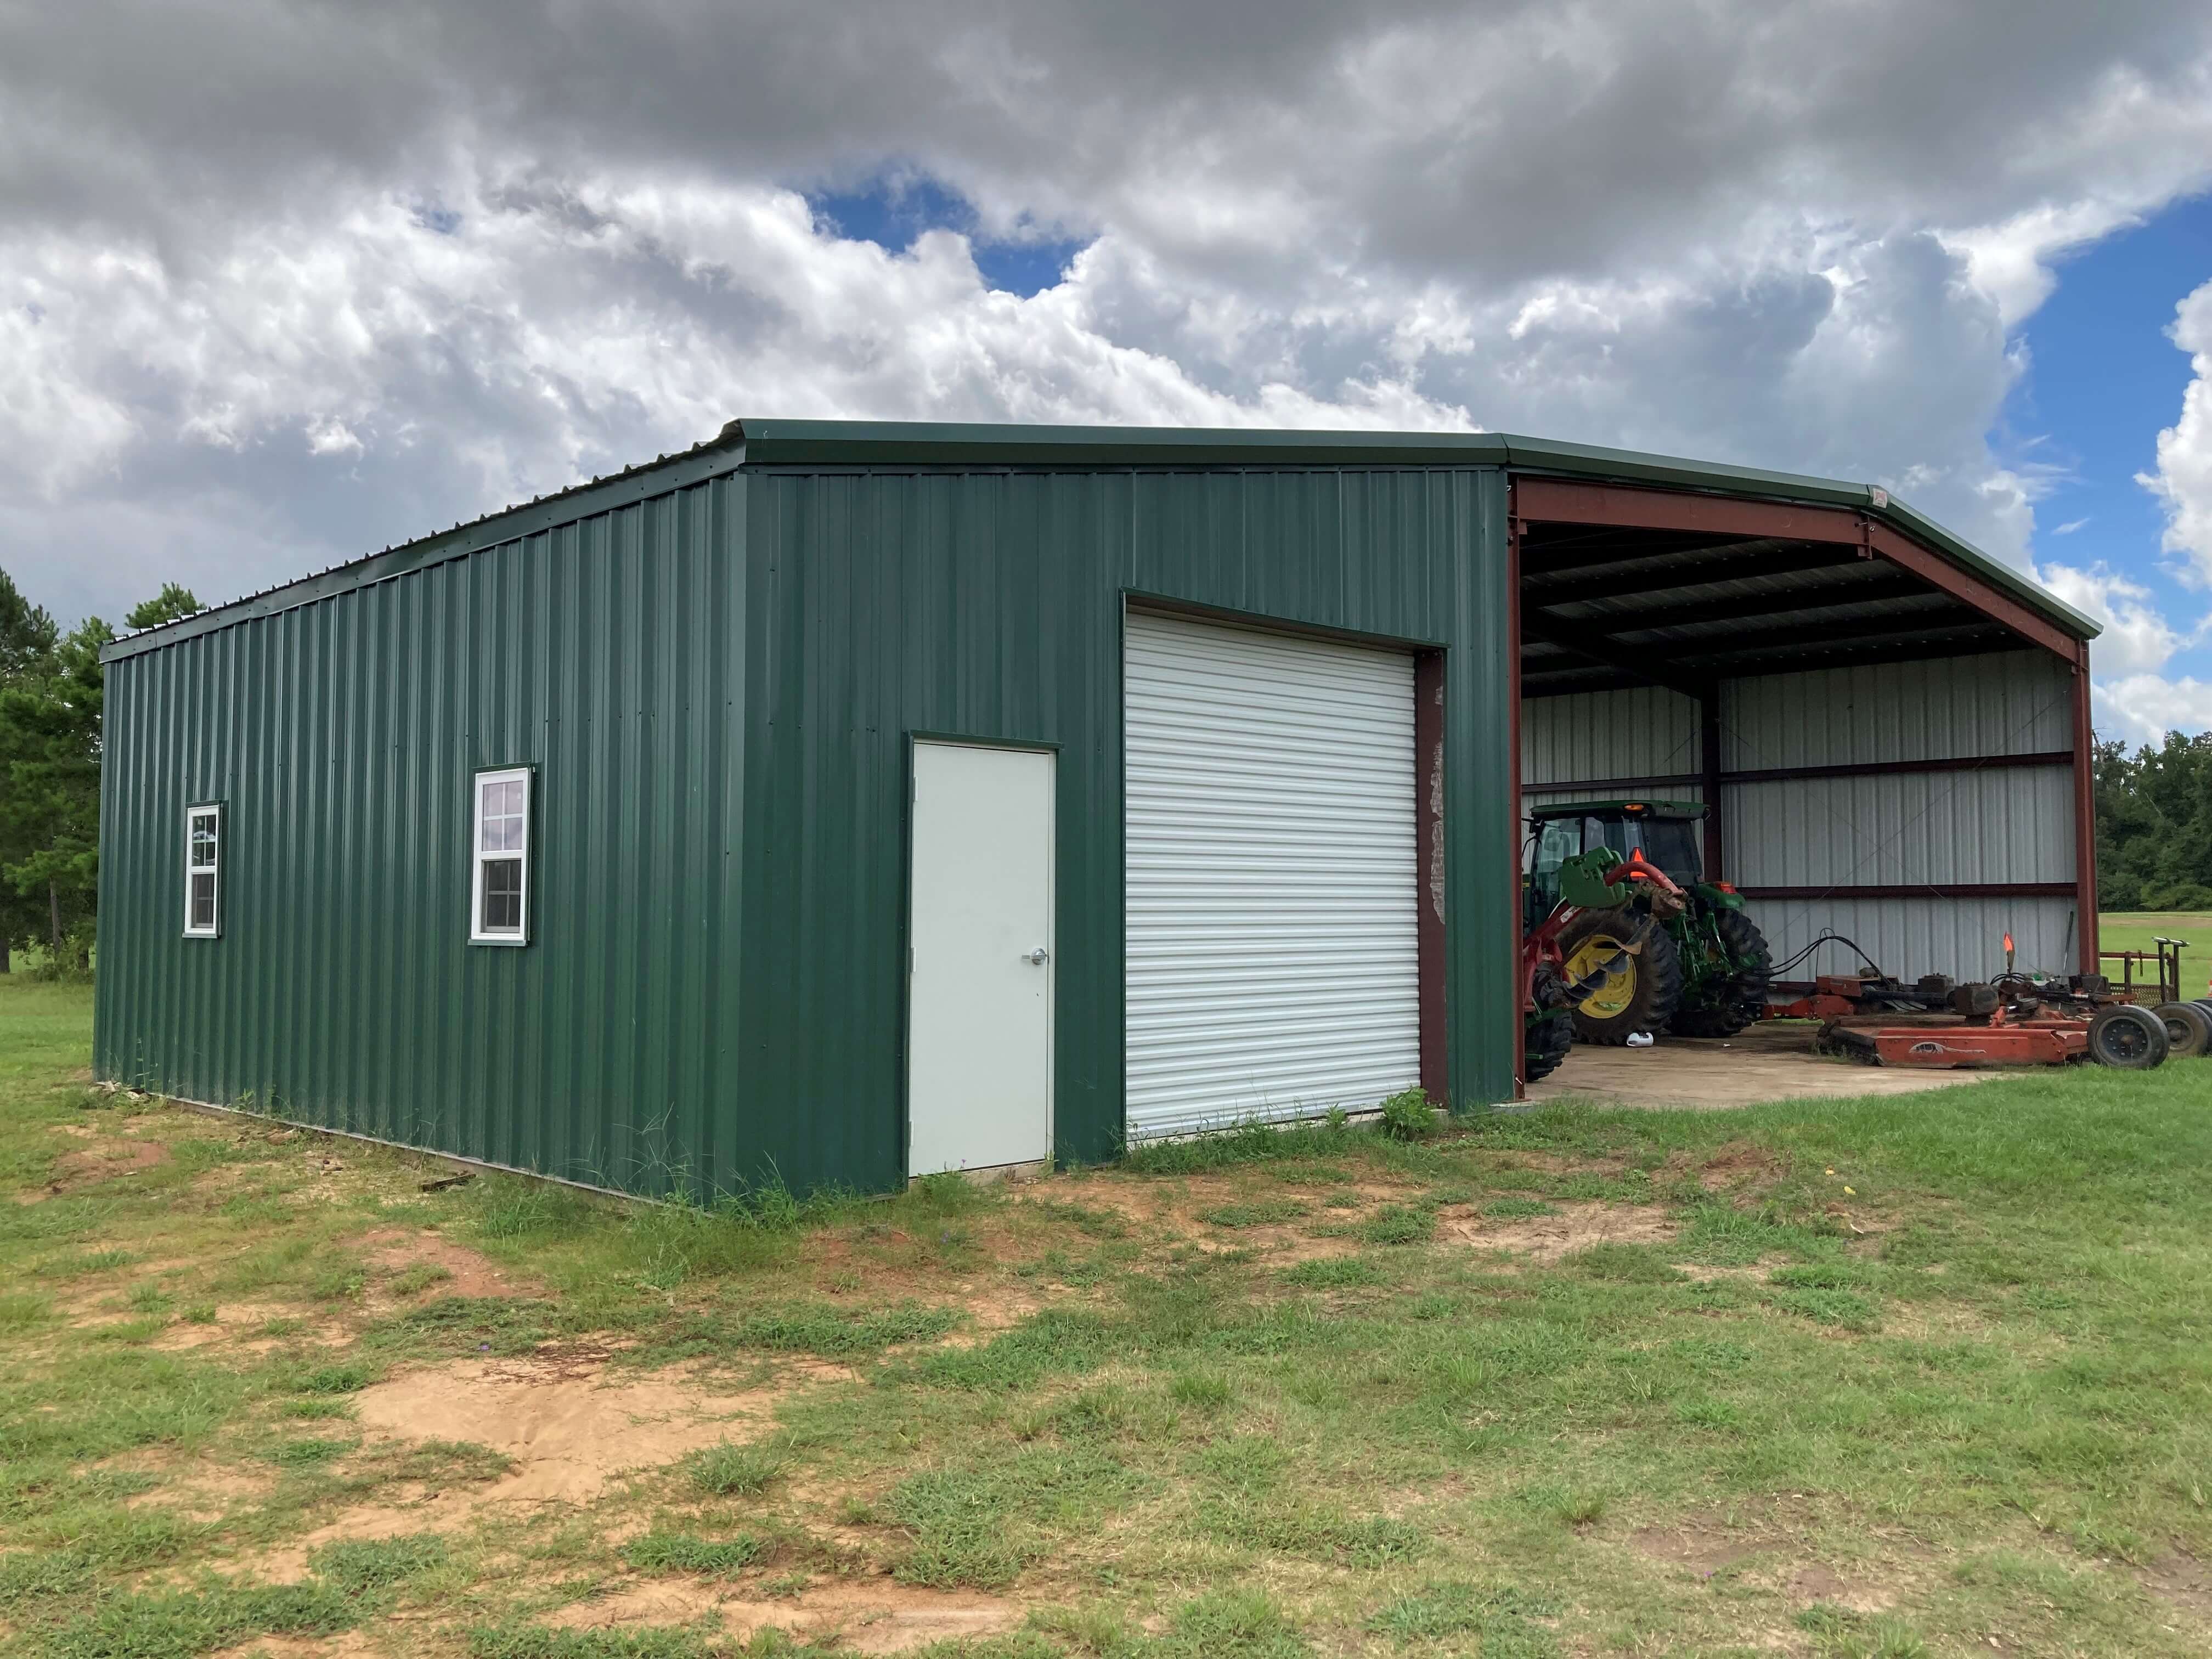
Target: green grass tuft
(682,1551)
(728,1470)
(1398,1224)
(1335,1272)
(358,1565)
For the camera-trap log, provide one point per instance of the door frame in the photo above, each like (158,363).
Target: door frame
(914,736)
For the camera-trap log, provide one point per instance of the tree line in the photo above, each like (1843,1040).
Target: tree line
(2155,824)
(50,685)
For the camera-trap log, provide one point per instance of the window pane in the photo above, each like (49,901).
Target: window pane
(502,896)
(204,900)
(502,816)
(203,839)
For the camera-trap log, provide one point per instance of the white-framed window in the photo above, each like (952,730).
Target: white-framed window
(499,894)
(203,870)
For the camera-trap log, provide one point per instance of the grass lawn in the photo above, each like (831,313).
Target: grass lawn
(1924,1374)
(2134,930)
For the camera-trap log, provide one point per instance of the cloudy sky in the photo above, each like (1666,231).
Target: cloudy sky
(281,284)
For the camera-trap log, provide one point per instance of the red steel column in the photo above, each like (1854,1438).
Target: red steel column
(1709,752)
(1428,849)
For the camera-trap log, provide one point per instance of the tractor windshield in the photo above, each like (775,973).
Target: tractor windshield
(1670,843)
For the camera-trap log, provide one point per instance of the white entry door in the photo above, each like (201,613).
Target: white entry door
(979,998)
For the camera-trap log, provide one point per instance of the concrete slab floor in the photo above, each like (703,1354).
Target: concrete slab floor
(1772,1060)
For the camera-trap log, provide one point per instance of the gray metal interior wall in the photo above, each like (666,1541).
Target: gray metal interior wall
(1997,825)
(1642,732)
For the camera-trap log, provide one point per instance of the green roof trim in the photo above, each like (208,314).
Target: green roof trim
(893,444)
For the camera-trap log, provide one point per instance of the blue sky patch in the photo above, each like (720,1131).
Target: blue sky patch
(2104,379)
(892,210)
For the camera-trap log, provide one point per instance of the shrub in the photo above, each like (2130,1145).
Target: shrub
(1408,1116)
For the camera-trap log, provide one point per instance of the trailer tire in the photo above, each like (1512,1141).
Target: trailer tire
(2188,1028)
(1744,998)
(1642,996)
(2131,1038)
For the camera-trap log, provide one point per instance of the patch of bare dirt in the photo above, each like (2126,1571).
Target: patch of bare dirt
(1738,1163)
(342,1645)
(569,1428)
(1700,1549)
(192,1489)
(1545,1238)
(1814,1582)
(241,1323)
(396,1249)
(879,1616)
(88,1166)
(2180,1581)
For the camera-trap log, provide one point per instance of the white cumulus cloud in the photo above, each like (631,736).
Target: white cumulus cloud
(2183,482)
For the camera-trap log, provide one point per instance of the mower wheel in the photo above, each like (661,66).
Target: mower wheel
(2188,1028)
(2131,1038)
(1642,991)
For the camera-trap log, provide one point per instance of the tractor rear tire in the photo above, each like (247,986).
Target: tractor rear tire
(1742,999)
(2188,1028)
(1642,995)
(2131,1038)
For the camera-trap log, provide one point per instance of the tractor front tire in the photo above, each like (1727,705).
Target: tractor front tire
(1549,1036)
(1642,994)
(1737,1003)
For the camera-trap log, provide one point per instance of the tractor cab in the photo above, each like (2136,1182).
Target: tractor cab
(1664,831)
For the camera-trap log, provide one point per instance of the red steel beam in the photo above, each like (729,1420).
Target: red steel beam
(1940,573)
(1624,506)
(1606,786)
(1924,889)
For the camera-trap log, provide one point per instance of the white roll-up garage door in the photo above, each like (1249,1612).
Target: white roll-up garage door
(1272,965)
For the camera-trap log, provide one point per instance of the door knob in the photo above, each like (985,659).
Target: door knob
(1036,957)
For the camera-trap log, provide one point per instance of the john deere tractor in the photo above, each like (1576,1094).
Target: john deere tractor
(1705,974)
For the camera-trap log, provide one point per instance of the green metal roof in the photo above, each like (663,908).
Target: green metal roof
(894,444)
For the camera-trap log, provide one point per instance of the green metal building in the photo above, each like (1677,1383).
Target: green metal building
(836,801)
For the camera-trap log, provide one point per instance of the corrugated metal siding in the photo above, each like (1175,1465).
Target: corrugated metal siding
(1962,937)
(716,685)
(2011,824)
(989,605)
(1272,966)
(342,736)
(2009,703)
(1641,732)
